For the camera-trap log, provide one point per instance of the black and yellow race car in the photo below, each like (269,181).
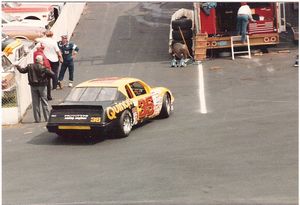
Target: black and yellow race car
(109,104)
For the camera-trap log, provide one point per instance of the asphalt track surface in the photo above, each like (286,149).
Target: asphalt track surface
(244,150)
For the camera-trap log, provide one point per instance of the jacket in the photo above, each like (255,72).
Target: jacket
(37,74)
(67,50)
(46,61)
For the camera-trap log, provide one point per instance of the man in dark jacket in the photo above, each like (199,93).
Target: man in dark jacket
(37,78)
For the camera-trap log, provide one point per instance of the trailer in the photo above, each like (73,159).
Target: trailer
(215,26)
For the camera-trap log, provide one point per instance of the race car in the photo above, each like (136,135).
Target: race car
(111,104)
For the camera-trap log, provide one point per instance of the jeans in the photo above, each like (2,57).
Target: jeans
(39,96)
(54,68)
(242,23)
(64,66)
(49,87)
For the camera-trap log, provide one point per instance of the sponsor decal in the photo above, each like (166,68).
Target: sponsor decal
(75,117)
(112,112)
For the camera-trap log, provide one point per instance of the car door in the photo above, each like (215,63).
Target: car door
(143,98)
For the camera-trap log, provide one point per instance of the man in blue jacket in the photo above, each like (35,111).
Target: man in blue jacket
(69,51)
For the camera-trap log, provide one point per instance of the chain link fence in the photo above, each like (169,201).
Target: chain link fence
(9,90)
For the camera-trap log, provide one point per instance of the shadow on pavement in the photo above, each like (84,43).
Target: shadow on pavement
(46,138)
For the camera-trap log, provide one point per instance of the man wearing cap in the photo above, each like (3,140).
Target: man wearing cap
(69,51)
(40,51)
(37,78)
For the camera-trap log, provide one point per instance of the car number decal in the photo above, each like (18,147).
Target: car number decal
(95,119)
(146,107)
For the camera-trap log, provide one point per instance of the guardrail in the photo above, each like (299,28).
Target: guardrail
(65,24)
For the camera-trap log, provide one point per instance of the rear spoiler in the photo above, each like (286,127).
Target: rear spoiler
(69,107)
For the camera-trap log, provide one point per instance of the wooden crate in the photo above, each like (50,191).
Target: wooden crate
(200,46)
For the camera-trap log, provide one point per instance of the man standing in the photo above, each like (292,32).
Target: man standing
(37,78)
(53,53)
(69,51)
(243,16)
(40,51)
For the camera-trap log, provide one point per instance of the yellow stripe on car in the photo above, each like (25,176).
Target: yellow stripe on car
(67,127)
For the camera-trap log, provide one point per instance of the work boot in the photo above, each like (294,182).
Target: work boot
(60,85)
(173,63)
(182,63)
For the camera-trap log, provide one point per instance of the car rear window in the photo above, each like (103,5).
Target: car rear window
(92,94)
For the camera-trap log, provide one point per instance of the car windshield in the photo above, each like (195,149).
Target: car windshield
(84,94)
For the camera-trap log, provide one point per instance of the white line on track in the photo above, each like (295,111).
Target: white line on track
(202,100)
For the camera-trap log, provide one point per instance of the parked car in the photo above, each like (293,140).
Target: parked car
(8,82)
(8,19)
(109,104)
(22,28)
(15,49)
(24,31)
(33,11)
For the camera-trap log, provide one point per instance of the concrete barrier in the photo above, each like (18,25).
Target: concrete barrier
(65,24)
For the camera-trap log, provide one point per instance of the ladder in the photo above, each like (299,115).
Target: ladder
(235,39)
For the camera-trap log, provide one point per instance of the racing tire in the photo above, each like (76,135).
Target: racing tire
(187,34)
(166,107)
(124,125)
(183,23)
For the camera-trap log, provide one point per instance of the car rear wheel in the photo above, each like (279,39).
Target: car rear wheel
(166,107)
(125,124)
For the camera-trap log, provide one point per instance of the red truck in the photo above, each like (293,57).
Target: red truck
(220,24)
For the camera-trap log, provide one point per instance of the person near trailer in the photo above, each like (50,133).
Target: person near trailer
(40,51)
(52,53)
(69,51)
(243,16)
(37,78)
(179,51)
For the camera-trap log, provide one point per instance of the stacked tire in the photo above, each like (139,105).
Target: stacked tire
(185,26)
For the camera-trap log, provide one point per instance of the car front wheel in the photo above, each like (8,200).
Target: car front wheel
(166,107)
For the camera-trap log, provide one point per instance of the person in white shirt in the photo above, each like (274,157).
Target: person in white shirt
(243,16)
(53,54)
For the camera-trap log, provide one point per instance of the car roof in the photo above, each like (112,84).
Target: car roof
(107,82)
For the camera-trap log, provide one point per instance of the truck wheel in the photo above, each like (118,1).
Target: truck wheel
(166,107)
(183,23)
(124,125)
(187,34)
